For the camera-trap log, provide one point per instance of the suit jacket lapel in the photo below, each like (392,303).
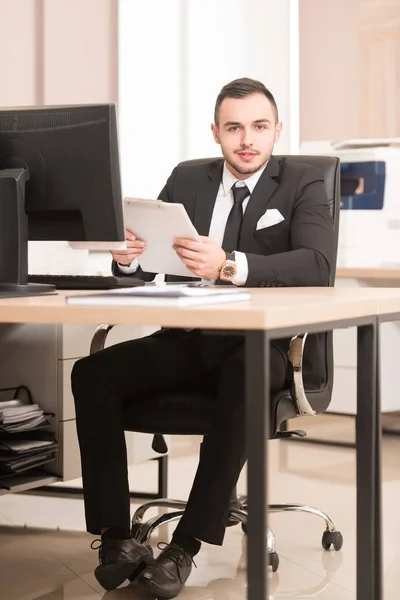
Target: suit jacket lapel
(262,194)
(206,197)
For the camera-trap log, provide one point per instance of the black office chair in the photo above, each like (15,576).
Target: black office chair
(190,414)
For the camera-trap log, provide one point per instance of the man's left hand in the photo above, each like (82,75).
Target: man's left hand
(203,259)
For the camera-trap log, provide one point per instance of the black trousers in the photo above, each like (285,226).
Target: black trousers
(169,360)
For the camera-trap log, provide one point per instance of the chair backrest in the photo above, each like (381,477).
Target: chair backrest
(282,405)
(330,169)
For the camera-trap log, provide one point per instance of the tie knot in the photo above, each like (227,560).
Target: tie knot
(240,193)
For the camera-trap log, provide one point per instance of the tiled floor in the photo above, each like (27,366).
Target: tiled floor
(45,554)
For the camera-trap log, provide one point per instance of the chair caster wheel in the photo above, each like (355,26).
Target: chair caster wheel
(273,561)
(332,538)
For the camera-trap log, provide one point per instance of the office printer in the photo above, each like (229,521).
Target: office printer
(369,233)
(369,237)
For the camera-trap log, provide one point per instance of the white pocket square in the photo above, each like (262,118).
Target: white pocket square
(270,217)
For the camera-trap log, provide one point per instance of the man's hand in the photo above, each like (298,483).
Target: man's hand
(204,259)
(135,248)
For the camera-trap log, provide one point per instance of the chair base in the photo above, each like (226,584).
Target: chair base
(143,530)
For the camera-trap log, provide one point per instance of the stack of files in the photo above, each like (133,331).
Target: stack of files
(18,454)
(27,417)
(163,295)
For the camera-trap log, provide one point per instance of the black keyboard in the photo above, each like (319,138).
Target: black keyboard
(86,282)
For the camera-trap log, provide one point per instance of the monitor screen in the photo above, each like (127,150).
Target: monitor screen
(71,154)
(59,181)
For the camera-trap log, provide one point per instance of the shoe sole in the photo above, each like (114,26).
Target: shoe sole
(154,590)
(150,586)
(111,576)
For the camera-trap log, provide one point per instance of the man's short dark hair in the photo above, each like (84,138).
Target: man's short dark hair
(240,88)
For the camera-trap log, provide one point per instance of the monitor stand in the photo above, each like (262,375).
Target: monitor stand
(14,237)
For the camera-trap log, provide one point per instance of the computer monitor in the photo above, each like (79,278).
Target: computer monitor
(59,181)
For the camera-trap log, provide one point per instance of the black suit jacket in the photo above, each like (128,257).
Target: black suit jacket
(298,251)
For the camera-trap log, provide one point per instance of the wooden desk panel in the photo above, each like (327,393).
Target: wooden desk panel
(370,275)
(268,309)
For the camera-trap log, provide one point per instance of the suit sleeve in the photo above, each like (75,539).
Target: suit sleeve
(166,196)
(310,258)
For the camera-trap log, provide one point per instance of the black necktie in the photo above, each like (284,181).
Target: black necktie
(235,219)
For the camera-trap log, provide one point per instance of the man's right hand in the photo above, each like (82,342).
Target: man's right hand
(134,249)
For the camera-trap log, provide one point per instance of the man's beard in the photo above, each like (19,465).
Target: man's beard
(246,170)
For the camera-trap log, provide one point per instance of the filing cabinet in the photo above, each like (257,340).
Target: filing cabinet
(42,356)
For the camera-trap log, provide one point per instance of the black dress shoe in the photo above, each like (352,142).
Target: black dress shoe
(169,573)
(120,559)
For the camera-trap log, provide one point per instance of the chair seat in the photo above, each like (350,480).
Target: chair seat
(175,413)
(188,413)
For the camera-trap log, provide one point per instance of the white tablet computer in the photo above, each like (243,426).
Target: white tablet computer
(158,223)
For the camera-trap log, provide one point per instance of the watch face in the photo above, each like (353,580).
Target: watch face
(229,271)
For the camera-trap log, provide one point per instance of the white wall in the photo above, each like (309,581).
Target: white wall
(58,51)
(329,69)
(350,69)
(150,97)
(174,57)
(80,41)
(18,42)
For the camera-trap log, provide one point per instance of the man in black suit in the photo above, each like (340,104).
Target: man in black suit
(265,223)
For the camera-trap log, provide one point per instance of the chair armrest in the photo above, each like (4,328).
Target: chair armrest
(295,355)
(99,338)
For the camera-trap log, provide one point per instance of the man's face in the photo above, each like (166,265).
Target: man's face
(247,131)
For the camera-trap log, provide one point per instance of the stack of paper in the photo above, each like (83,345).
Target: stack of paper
(175,295)
(22,418)
(18,454)
(22,445)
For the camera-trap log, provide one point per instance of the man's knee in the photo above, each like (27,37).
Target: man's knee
(83,372)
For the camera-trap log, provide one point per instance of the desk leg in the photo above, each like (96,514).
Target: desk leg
(257,427)
(368,513)
(378,477)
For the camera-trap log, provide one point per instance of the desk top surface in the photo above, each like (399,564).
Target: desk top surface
(376,274)
(268,309)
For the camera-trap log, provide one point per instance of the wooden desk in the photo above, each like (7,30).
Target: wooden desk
(271,314)
(376,277)
(270,309)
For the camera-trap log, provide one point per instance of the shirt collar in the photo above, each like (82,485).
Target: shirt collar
(228,179)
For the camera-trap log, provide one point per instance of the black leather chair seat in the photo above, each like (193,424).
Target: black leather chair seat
(176,413)
(191,413)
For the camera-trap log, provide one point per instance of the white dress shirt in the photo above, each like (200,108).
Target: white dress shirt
(222,208)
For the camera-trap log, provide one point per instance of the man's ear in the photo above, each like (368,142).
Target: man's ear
(278,132)
(215,132)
